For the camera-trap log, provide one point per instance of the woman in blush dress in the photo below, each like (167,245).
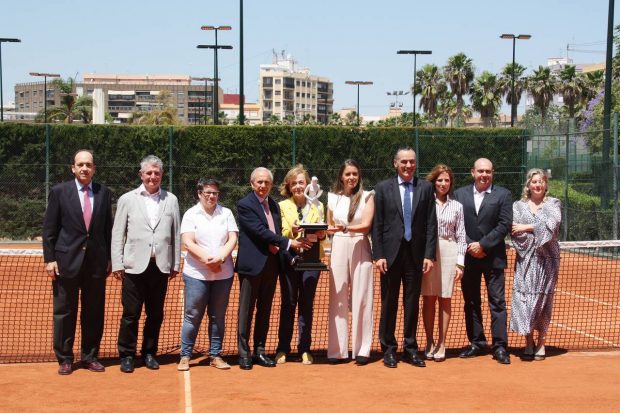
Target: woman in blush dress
(535,228)
(451,248)
(350,210)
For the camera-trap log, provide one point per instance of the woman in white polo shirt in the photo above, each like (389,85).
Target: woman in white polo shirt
(209,232)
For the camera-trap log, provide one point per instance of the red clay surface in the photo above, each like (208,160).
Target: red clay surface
(572,382)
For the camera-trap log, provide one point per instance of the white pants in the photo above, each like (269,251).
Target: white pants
(350,268)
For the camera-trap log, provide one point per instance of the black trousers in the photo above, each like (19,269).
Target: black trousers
(65,308)
(148,289)
(256,291)
(402,270)
(297,290)
(495,283)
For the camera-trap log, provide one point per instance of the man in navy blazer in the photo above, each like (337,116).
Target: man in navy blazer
(404,237)
(488,219)
(76,250)
(259,261)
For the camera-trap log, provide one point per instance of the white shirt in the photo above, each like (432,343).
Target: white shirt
(339,205)
(210,233)
(401,188)
(151,202)
(479,196)
(91,195)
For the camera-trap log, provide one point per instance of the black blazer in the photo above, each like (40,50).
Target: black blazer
(490,226)
(388,228)
(65,239)
(255,235)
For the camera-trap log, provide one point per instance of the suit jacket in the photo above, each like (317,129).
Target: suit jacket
(255,235)
(133,236)
(489,226)
(65,238)
(388,226)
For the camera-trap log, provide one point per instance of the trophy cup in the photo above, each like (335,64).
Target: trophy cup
(310,259)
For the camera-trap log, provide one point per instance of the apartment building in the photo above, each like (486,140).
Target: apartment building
(121,95)
(286,90)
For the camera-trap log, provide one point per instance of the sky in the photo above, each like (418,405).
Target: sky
(340,39)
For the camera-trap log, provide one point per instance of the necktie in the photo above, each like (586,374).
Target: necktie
(407,210)
(87,212)
(272,226)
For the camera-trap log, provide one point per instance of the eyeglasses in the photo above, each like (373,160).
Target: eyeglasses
(210,193)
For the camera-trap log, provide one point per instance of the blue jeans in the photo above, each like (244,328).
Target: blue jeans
(201,295)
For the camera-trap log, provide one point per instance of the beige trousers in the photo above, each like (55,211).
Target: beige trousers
(350,282)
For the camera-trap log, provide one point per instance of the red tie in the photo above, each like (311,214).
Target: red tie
(87,208)
(272,227)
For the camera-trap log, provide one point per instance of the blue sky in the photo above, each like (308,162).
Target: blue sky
(343,40)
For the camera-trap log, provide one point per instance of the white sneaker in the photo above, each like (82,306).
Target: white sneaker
(183,364)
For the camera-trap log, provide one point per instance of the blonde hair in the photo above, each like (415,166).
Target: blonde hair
(438,170)
(285,186)
(525,195)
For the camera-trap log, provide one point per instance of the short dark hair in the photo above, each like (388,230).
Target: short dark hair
(202,182)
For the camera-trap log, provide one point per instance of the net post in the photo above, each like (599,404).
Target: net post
(47,163)
(170,144)
(294,146)
(569,126)
(615,177)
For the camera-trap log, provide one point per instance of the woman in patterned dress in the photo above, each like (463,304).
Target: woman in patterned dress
(451,248)
(535,228)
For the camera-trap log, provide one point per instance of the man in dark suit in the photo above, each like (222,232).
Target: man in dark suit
(259,261)
(488,219)
(404,237)
(76,250)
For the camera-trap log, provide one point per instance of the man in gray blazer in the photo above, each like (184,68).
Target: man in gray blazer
(146,251)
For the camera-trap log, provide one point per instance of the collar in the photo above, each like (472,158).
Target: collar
(260,200)
(488,190)
(201,210)
(401,180)
(80,187)
(142,190)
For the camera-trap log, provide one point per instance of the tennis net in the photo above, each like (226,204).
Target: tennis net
(586,314)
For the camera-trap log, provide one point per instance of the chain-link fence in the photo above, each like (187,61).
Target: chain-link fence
(34,158)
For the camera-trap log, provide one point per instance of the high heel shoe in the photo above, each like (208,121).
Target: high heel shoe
(539,354)
(439,354)
(528,352)
(429,350)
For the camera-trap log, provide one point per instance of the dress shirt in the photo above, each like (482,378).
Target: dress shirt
(151,202)
(401,189)
(451,226)
(91,195)
(479,196)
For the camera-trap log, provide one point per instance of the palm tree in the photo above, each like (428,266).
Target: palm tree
(164,113)
(486,97)
(571,86)
(505,83)
(430,85)
(594,82)
(335,119)
(72,106)
(459,74)
(542,85)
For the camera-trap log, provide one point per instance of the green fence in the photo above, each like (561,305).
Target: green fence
(35,157)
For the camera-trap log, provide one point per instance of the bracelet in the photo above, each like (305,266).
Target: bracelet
(460,267)
(345,229)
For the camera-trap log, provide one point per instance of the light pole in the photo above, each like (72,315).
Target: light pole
(45,76)
(513,106)
(415,54)
(396,94)
(205,79)
(3,40)
(241,97)
(216,29)
(358,83)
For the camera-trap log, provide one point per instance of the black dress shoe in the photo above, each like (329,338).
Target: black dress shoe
(245,363)
(150,362)
(389,360)
(501,356)
(413,359)
(333,361)
(471,351)
(65,368)
(263,360)
(361,360)
(93,365)
(127,364)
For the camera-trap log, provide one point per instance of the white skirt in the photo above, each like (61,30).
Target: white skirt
(440,281)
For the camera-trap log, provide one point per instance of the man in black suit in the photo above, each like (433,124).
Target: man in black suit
(76,249)
(404,237)
(488,219)
(259,261)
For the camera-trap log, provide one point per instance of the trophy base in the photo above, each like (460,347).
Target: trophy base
(310,266)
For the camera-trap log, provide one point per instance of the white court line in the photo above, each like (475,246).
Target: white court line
(592,300)
(188,392)
(583,333)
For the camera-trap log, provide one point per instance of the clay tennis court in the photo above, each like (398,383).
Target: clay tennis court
(586,317)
